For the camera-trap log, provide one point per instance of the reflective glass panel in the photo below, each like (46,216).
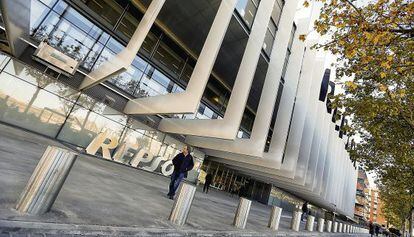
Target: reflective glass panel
(83,125)
(129,22)
(31,107)
(247,10)
(109,10)
(169,59)
(37,12)
(41,80)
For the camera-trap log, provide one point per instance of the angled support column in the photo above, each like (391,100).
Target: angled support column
(16,19)
(188,101)
(228,127)
(46,181)
(238,149)
(120,62)
(254,146)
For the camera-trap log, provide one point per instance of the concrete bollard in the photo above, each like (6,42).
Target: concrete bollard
(321,223)
(242,212)
(274,219)
(335,227)
(46,181)
(328,225)
(340,227)
(295,224)
(310,222)
(182,204)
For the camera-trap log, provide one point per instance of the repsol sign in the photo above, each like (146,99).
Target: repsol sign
(328,90)
(155,157)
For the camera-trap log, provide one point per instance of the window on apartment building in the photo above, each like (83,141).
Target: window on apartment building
(247,10)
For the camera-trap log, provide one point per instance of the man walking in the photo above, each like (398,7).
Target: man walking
(305,210)
(183,163)
(209,179)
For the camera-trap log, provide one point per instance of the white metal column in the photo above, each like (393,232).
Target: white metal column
(188,101)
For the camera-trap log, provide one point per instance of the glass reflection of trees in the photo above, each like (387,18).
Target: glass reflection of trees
(32,100)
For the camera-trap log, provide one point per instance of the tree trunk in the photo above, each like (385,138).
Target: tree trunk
(403,227)
(411,219)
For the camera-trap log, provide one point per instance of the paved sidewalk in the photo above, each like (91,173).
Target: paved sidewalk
(106,198)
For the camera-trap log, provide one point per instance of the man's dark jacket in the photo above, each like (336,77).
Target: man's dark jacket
(182,163)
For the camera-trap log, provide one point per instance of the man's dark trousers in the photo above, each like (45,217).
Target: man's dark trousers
(176,179)
(206,187)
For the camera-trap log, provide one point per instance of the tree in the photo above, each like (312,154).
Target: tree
(374,44)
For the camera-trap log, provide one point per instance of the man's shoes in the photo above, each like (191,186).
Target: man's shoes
(171,197)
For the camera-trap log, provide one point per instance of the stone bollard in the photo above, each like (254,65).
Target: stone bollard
(182,204)
(295,224)
(242,212)
(46,181)
(328,225)
(340,227)
(321,223)
(309,222)
(335,226)
(274,220)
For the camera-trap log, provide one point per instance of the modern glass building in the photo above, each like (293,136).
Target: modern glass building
(229,77)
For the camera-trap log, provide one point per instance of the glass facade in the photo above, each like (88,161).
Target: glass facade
(31,100)
(161,66)
(230,180)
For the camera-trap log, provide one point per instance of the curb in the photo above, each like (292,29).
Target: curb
(57,229)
